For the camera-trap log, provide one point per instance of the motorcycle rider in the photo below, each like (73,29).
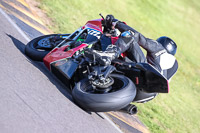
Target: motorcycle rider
(160,53)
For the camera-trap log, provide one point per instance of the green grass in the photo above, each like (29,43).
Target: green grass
(178,111)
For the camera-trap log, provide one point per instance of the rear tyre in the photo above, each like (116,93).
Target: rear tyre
(123,92)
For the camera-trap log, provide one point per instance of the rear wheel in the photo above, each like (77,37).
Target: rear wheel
(121,93)
(39,47)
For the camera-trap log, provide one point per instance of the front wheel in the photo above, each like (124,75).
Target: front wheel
(122,92)
(39,47)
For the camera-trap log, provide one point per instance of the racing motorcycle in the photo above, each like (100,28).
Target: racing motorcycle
(95,87)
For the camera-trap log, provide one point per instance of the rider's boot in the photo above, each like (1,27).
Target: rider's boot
(105,57)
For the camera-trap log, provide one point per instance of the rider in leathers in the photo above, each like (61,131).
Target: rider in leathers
(130,42)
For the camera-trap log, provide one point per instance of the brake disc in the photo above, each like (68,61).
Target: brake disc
(103,84)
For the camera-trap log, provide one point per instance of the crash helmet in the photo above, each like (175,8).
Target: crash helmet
(168,44)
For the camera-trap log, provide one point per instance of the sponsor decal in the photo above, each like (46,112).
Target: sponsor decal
(94,32)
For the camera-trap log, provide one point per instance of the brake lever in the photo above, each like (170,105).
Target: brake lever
(101,16)
(103,20)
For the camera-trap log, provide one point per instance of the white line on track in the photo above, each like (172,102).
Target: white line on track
(28,39)
(12,23)
(111,122)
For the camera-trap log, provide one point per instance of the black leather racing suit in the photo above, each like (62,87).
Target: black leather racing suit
(157,56)
(131,46)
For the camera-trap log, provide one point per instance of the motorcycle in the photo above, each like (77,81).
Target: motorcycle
(95,87)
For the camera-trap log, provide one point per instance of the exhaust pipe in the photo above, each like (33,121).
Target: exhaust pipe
(130,109)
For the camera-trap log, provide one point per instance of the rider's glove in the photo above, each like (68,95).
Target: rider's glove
(111,21)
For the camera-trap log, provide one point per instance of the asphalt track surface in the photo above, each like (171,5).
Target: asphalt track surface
(32,100)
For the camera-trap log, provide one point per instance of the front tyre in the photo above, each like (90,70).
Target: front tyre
(39,47)
(123,92)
